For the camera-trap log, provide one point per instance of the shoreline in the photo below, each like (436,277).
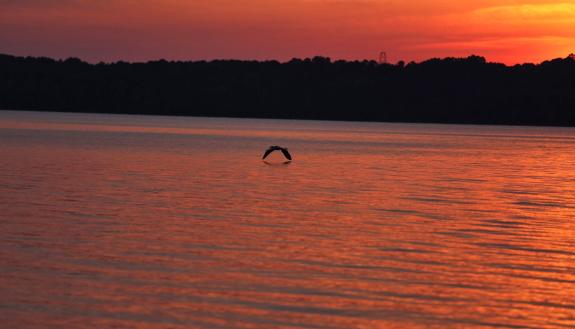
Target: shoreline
(290,119)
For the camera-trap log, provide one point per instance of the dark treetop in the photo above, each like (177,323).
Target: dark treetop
(451,90)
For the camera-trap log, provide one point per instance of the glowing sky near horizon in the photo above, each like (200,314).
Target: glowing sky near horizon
(139,30)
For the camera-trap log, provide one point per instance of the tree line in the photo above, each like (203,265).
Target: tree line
(449,90)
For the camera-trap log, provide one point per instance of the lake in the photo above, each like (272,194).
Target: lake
(116,221)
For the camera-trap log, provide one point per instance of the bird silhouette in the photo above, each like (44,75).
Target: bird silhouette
(277,148)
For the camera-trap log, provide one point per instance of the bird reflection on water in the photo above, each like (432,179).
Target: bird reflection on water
(278,163)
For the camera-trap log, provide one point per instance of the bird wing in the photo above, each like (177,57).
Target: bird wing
(286,154)
(268,151)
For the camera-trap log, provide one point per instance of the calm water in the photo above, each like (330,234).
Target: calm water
(153,222)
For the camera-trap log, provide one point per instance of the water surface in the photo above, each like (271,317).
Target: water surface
(157,222)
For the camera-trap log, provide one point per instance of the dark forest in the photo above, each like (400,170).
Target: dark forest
(450,90)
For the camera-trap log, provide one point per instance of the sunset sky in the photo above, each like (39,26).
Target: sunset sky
(139,30)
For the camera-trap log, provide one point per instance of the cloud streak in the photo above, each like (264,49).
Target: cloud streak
(554,12)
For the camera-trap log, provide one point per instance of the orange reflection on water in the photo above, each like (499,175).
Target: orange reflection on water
(372,225)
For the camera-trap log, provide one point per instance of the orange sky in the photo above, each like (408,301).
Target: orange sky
(502,30)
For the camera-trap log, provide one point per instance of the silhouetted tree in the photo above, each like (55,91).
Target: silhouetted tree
(450,90)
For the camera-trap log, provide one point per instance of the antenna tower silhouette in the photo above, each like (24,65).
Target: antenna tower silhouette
(382,57)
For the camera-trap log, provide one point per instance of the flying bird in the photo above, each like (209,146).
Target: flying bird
(277,148)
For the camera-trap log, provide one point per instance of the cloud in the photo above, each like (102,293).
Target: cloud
(554,12)
(40,3)
(496,43)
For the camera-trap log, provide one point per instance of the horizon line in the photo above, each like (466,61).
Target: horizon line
(311,58)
